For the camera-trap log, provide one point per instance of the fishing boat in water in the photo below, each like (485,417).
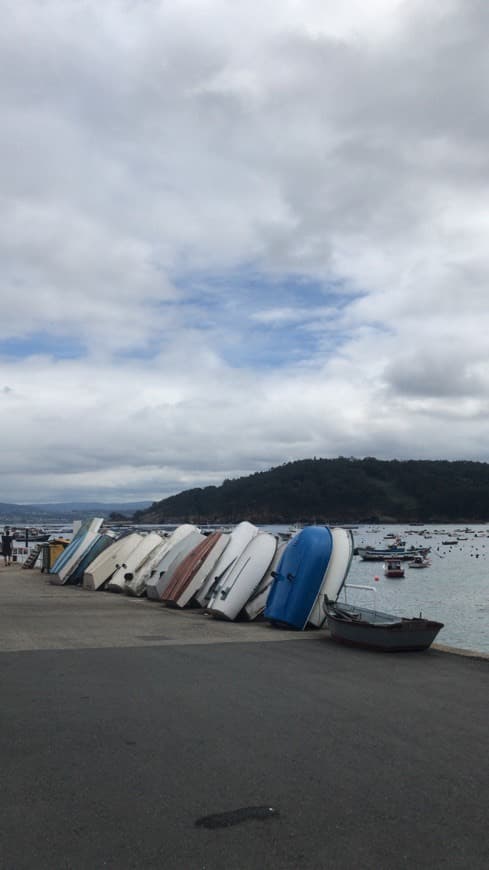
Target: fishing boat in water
(393,568)
(419,562)
(381,554)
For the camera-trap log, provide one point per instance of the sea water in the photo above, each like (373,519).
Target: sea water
(454,589)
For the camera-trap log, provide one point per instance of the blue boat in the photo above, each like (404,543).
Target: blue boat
(298,577)
(74,552)
(100,544)
(68,551)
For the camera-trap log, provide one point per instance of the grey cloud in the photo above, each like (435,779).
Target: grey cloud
(142,143)
(436,376)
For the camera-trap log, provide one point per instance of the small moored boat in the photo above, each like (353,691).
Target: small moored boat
(419,562)
(373,554)
(393,568)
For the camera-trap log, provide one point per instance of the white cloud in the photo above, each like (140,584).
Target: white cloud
(153,152)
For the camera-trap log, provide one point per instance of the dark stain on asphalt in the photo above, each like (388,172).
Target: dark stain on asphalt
(236,817)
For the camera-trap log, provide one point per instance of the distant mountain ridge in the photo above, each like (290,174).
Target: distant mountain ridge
(338,490)
(69,510)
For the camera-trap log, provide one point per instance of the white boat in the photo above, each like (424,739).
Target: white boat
(203,570)
(335,574)
(136,580)
(68,560)
(419,562)
(133,560)
(157,583)
(256,604)
(102,568)
(239,538)
(236,586)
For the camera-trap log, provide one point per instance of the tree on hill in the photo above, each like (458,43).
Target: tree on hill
(337,490)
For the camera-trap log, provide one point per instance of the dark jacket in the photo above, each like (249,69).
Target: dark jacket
(7,539)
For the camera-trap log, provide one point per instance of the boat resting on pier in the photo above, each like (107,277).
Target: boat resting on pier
(360,626)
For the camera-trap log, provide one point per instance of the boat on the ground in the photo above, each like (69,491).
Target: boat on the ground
(239,538)
(101,569)
(335,575)
(182,544)
(299,577)
(99,545)
(134,559)
(393,568)
(67,561)
(258,600)
(193,570)
(236,585)
(135,581)
(360,626)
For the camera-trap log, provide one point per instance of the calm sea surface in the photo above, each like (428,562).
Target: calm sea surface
(453,590)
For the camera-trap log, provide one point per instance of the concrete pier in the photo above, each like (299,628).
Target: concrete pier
(122,723)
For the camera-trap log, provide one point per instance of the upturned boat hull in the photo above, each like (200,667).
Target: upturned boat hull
(335,575)
(243,578)
(68,560)
(101,569)
(239,538)
(299,576)
(118,580)
(164,571)
(179,590)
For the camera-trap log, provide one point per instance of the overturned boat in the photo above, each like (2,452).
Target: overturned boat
(299,577)
(98,572)
(237,585)
(335,575)
(239,538)
(70,558)
(193,570)
(183,541)
(99,546)
(257,602)
(132,562)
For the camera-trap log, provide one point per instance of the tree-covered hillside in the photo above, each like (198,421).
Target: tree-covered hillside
(338,490)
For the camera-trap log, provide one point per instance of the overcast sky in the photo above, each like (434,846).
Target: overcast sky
(236,234)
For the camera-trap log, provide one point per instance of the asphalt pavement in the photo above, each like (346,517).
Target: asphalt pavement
(111,756)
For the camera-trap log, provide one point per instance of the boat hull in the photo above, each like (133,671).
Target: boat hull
(243,577)
(336,573)
(68,560)
(193,570)
(372,555)
(378,631)
(239,538)
(255,605)
(135,558)
(102,568)
(102,543)
(299,576)
(157,584)
(136,581)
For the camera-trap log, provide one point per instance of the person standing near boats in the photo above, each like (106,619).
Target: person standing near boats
(7,539)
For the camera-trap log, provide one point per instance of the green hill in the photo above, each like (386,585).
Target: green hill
(338,490)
